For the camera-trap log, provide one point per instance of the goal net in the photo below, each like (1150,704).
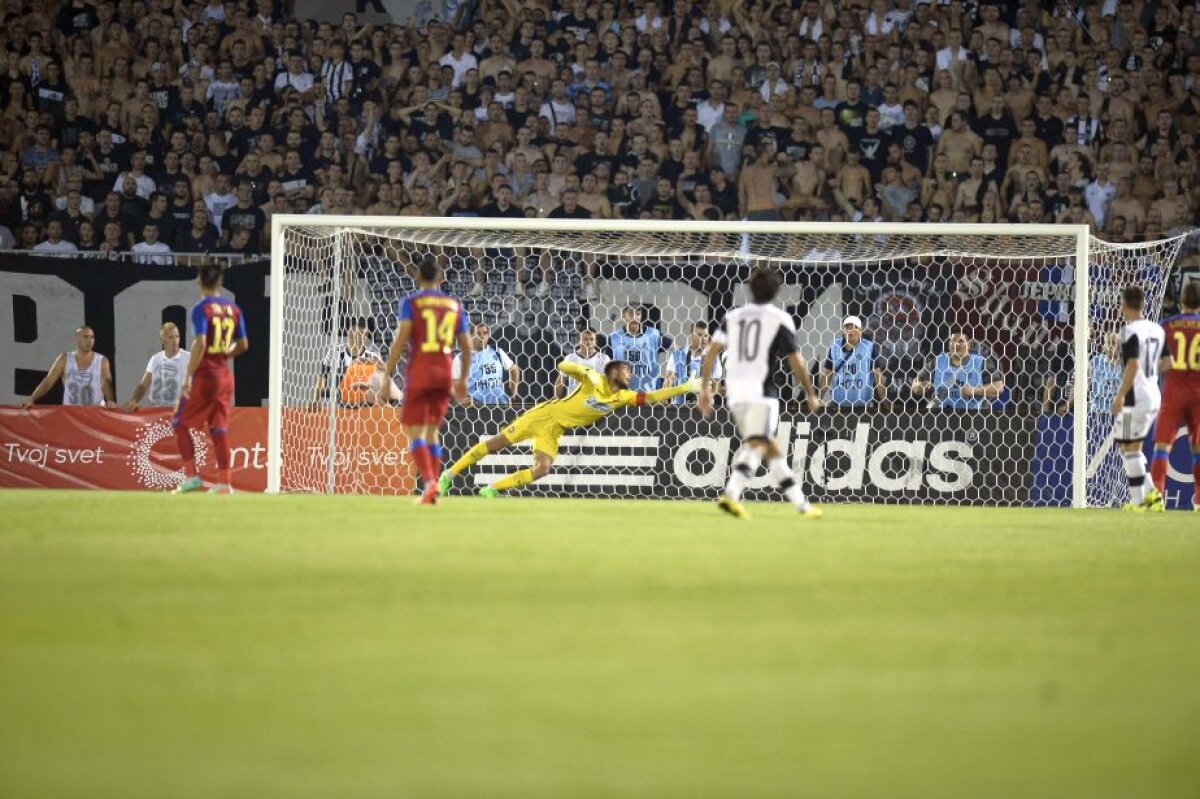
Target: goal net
(983,375)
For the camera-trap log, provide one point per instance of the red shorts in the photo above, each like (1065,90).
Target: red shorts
(1178,410)
(207,405)
(424,405)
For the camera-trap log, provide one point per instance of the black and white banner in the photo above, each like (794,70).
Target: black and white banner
(669,451)
(43,300)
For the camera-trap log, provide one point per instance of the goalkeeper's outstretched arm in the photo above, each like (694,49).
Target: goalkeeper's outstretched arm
(580,372)
(666,394)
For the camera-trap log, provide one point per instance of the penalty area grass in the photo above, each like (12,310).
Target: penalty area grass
(318,646)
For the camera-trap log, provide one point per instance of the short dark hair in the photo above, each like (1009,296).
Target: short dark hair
(210,275)
(612,366)
(427,267)
(1133,298)
(764,284)
(1190,296)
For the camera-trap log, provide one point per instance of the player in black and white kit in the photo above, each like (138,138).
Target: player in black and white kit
(755,337)
(1135,406)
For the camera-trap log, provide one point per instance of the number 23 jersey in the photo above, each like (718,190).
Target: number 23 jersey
(220,321)
(755,337)
(437,319)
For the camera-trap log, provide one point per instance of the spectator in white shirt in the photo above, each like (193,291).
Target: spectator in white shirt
(558,107)
(953,57)
(150,250)
(54,244)
(1099,194)
(459,59)
(137,171)
(296,77)
(220,200)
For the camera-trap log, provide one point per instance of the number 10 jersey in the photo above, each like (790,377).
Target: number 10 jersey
(755,337)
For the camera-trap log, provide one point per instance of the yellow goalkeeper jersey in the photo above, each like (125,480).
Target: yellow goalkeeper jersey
(594,398)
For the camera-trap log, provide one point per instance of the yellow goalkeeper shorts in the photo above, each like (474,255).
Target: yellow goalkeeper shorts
(539,426)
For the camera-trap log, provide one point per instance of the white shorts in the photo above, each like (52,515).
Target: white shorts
(1133,424)
(757,419)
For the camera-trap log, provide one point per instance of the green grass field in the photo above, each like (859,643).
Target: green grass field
(251,646)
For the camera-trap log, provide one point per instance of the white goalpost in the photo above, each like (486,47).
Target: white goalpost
(1038,305)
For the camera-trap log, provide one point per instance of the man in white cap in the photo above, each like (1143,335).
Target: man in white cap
(851,377)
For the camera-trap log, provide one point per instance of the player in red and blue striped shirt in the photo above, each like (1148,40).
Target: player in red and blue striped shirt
(206,394)
(430,322)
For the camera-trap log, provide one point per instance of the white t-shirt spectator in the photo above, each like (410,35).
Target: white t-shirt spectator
(1098,195)
(558,113)
(301,83)
(157,253)
(708,115)
(460,65)
(218,204)
(145,184)
(55,247)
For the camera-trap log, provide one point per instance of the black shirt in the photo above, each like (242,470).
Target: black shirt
(493,209)
(186,242)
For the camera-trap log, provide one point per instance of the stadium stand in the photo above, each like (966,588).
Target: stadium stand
(1034,111)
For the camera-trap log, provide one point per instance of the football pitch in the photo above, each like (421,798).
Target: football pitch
(347,646)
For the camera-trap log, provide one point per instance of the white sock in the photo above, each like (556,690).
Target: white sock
(1135,468)
(786,480)
(745,464)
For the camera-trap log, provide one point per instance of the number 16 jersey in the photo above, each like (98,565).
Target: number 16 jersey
(220,321)
(437,319)
(755,337)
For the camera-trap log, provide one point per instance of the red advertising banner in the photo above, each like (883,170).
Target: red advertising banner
(77,447)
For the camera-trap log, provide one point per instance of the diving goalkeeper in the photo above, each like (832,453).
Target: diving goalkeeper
(596,396)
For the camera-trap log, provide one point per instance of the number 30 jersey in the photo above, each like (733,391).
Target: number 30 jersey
(755,338)
(220,321)
(1143,340)
(437,319)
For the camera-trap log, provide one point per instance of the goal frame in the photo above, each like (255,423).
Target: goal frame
(1081,307)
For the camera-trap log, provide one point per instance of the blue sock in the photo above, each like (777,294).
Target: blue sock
(435,449)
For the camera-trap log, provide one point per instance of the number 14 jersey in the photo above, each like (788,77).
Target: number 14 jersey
(220,321)
(755,337)
(437,319)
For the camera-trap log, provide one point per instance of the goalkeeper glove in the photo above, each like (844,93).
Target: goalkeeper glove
(694,385)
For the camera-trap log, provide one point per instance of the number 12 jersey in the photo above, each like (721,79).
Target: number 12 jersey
(220,321)
(755,337)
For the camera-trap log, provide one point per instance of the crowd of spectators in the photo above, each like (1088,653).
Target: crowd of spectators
(167,125)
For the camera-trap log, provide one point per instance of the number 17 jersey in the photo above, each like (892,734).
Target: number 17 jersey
(220,321)
(1144,341)
(437,319)
(755,337)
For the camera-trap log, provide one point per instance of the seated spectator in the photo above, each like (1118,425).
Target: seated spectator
(150,250)
(959,379)
(54,243)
